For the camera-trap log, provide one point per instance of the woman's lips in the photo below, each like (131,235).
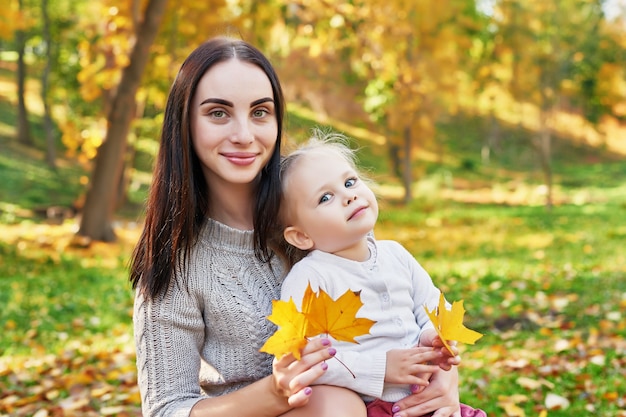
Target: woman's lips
(240,158)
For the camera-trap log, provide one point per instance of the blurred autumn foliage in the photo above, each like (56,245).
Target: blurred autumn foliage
(472,116)
(396,68)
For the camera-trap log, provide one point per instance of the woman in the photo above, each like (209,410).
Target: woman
(202,269)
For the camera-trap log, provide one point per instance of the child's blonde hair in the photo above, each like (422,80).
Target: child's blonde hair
(320,139)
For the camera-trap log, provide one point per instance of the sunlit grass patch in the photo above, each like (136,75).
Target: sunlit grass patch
(547,289)
(53,293)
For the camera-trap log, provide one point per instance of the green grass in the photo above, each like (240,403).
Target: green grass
(546,288)
(50,300)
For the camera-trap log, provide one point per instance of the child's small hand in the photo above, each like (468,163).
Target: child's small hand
(430,338)
(448,360)
(412,366)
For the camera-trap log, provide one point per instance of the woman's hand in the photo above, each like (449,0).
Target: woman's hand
(441,396)
(292,378)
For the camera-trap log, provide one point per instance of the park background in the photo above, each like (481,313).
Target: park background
(494,129)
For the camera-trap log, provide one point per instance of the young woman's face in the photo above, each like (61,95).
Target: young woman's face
(233,123)
(327,201)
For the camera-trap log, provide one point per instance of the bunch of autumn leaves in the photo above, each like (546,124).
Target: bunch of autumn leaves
(337,318)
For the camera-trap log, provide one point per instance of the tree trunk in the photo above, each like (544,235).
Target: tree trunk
(492,142)
(407,177)
(47,118)
(544,147)
(100,202)
(23,128)
(394,158)
(128,163)
(122,189)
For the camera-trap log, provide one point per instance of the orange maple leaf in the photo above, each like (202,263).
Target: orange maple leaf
(449,323)
(320,315)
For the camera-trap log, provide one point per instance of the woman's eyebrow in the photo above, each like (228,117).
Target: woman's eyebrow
(217,101)
(261,100)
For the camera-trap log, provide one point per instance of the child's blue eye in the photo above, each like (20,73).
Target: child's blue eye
(350,182)
(325,198)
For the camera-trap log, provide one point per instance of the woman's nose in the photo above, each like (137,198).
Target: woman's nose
(242,133)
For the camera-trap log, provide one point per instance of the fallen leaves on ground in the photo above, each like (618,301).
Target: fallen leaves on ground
(555,371)
(544,341)
(77,382)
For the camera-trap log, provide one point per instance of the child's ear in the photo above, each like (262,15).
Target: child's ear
(297,238)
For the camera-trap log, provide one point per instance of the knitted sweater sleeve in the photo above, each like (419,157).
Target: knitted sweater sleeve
(168,336)
(202,337)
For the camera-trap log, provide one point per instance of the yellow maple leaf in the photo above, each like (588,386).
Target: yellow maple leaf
(320,315)
(336,318)
(289,338)
(449,323)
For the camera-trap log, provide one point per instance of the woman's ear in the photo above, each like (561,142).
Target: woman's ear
(297,238)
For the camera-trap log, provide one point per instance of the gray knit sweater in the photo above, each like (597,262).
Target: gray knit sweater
(203,337)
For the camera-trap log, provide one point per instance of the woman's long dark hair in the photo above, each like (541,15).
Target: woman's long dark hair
(179,199)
